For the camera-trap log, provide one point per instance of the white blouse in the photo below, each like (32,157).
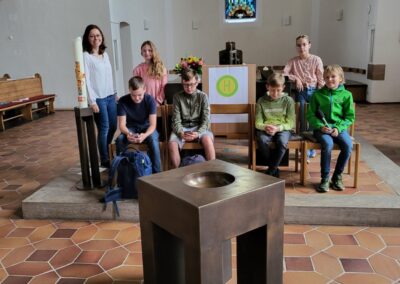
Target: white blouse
(98,73)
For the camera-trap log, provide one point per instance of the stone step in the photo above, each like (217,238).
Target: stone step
(60,199)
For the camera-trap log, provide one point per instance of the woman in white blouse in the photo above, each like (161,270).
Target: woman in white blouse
(100,87)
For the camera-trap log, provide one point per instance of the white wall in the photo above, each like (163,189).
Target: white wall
(387,51)
(37,37)
(133,13)
(344,42)
(347,42)
(266,41)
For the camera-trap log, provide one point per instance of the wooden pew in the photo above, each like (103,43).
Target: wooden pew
(5,77)
(22,98)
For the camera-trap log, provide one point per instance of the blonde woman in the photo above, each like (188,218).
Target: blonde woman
(152,71)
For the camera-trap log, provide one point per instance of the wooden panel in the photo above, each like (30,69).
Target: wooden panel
(376,71)
(13,90)
(228,129)
(354,70)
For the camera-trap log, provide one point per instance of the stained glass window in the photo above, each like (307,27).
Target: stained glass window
(240,10)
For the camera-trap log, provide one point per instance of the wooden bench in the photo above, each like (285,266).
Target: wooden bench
(22,98)
(5,77)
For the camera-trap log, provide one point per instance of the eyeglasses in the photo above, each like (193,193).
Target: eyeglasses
(187,85)
(302,44)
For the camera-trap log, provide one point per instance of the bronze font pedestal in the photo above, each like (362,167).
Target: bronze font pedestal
(189,215)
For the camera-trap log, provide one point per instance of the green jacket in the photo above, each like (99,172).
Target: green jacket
(337,105)
(190,111)
(277,112)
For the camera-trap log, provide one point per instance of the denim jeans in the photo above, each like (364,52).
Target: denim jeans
(304,97)
(343,140)
(151,142)
(106,122)
(273,157)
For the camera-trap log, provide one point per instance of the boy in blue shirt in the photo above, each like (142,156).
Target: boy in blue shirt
(137,120)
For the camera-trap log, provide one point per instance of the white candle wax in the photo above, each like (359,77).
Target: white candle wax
(80,74)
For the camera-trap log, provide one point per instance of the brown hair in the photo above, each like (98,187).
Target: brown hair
(86,46)
(135,83)
(306,37)
(188,74)
(157,66)
(276,79)
(334,68)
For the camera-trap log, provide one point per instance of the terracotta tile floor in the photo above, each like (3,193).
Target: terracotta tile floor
(49,251)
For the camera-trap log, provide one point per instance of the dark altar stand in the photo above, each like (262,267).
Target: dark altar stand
(86,133)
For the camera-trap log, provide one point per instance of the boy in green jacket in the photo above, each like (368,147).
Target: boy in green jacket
(330,113)
(275,120)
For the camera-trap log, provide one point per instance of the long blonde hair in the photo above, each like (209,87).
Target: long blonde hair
(156,68)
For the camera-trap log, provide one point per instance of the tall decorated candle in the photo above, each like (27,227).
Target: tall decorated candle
(80,74)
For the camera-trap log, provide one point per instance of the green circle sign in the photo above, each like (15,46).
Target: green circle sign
(227,86)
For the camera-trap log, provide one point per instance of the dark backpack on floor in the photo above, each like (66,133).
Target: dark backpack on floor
(129,165)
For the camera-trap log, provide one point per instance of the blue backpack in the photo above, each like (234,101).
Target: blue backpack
(129,165)
(190,160)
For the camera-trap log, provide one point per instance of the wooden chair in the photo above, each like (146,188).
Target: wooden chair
(237,109)
(161,128)
(296,142)
(216,109)
(311,143)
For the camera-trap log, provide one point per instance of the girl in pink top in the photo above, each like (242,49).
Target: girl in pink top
(306,71)
(152,71)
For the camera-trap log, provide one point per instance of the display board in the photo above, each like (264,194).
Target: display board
(229,84)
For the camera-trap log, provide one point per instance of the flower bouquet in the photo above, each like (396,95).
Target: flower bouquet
(190,62)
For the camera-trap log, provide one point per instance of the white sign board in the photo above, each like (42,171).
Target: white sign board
(228,85)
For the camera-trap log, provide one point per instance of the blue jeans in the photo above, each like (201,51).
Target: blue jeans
(343,140)
(273,157)
(304,97)
(151,142)
(106,122)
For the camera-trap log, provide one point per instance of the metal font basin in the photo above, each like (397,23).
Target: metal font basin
(208,179)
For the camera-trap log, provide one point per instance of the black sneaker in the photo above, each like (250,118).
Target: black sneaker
(337,183)
(324,185)
(105,164)
(272,172)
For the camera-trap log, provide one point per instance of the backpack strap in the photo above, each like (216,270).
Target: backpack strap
(114,166)
(111,173)
(113,199)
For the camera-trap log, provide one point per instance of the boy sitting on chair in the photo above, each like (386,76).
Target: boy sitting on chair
(137,119)
(190,119)
(275,120)
(330,114)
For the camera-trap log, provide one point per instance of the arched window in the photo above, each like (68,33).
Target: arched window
(240,11)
